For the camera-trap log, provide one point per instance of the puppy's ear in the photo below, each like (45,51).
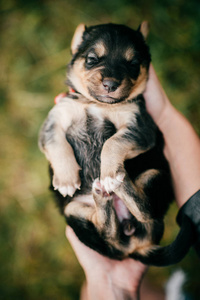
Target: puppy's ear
(144,29)
(77,38)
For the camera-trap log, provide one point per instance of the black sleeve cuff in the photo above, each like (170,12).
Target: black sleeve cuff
(191,211)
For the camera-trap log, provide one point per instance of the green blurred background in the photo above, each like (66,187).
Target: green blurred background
(36,261)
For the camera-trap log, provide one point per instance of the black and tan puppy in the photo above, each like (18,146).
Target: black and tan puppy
(106,154)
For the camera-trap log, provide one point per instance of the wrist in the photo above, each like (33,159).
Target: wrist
(98,286)
(103,285)
(106,290)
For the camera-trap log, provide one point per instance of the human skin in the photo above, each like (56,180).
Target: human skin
(182,144)
(120,280)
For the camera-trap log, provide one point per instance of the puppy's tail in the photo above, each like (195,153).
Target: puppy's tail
(173,253)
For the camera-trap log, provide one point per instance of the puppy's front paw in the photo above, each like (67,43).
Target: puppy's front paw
(67,182)
(111,184)
(67,190)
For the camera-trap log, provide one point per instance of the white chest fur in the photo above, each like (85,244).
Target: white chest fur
(120,115)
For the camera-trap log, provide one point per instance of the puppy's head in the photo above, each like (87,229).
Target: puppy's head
(110,62)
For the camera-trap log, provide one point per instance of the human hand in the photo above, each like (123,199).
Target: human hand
(107,278)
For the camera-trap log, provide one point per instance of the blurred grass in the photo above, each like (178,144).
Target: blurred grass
(35,258)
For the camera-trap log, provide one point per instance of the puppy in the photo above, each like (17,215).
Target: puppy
(109,174)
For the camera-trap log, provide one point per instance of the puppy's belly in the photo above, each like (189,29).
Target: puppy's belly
(87,143)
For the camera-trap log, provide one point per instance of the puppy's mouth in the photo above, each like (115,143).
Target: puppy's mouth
(108,99)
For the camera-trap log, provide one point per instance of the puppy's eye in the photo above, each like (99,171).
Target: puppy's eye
(92,59)
(134,62)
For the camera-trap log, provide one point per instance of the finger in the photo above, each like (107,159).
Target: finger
(74,241)
(84,254)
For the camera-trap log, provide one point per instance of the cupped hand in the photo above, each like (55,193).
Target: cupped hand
(122,277)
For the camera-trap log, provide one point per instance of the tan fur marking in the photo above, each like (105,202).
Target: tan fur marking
(129,54)
(139,84)
(141,246)
(100,49)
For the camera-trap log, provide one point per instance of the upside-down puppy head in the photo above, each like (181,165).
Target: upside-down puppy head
(110,62)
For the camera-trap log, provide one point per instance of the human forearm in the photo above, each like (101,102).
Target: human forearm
(182,150)
(182,145)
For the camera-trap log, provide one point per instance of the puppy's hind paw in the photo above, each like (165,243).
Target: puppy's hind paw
(101,197)
(111,184)
(99,189)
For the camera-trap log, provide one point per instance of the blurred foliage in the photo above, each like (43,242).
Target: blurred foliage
(35,258)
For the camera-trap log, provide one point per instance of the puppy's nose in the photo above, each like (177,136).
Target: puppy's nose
(110,85)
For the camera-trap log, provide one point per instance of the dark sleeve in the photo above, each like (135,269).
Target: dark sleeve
(191,210)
